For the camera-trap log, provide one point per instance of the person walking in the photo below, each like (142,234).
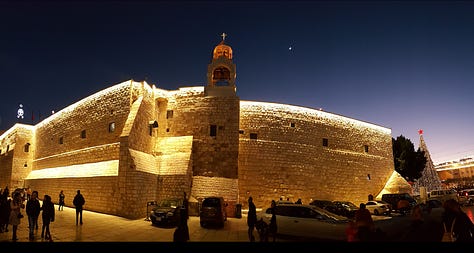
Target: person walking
(79,202)
(272,228)
(61,201)
(15,214)
(48,217)
(33,209)
(251,219)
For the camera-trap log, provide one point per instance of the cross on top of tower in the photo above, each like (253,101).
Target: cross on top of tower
(223,35)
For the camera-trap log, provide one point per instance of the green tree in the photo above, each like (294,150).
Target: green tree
(408,162)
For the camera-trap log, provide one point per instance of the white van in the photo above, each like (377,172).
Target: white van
(443,195)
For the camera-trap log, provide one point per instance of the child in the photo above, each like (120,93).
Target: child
(48,216)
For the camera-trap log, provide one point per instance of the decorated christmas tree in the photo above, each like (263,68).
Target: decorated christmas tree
(429,177)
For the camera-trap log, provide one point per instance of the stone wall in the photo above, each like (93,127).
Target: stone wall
(287,157)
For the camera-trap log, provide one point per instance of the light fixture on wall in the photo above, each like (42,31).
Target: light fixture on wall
(153,124)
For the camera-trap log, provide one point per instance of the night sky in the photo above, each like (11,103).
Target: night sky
(403,65)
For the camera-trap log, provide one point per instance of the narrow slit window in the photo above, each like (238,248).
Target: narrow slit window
(83,134)
(27,147)
(366,148)
(292,124)
(169,114)
(60,140)
(213,131)
(325,142)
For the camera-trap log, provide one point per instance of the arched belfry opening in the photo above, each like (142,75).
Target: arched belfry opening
(221,71)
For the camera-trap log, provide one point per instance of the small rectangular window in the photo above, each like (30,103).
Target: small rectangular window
(27,147)
(111,127)
(366,148)
(169,114)
(241,131)
(213,130)
(292,124)
(325,142)
(83,134)
(60,140)
(253,136)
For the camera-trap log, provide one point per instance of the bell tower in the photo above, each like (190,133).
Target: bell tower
(221,71)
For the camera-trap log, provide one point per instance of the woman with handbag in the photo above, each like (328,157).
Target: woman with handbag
(15,214)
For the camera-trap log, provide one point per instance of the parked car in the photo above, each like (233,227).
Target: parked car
(466,197)
(324,204)
(377,208)
(213,212)
(345,208)
(306,222)
(443,195)
(166,212)
(393,198)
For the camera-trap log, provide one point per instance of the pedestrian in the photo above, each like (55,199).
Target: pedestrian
(15,215)
(79,202)
(61,201)
(28,193)
(457,222)
(4,210)
(365,224)
(48,217)
(33,209)
(299,202)
(272,227)
(181,234)
(251,219)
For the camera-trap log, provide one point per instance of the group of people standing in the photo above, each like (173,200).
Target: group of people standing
(11,211)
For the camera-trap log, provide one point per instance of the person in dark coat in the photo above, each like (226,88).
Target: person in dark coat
(79,202)
(4,210)
(454,217)
(48,217)
(251,218)
(272,228)
(33,209)
(181,234)
(61,201)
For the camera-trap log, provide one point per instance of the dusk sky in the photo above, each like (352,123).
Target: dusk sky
(400,64)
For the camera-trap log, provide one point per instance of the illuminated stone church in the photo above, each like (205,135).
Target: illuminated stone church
(133,142)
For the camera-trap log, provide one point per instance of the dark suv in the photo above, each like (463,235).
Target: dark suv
(213,212)
(166,212)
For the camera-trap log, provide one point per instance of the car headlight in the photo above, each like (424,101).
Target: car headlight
(152,212)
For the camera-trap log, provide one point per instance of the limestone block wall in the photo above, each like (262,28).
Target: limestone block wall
(174,163)
(286,158)
(17,150)
(92,115)
(213,156)
(6,161)
(99,192)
